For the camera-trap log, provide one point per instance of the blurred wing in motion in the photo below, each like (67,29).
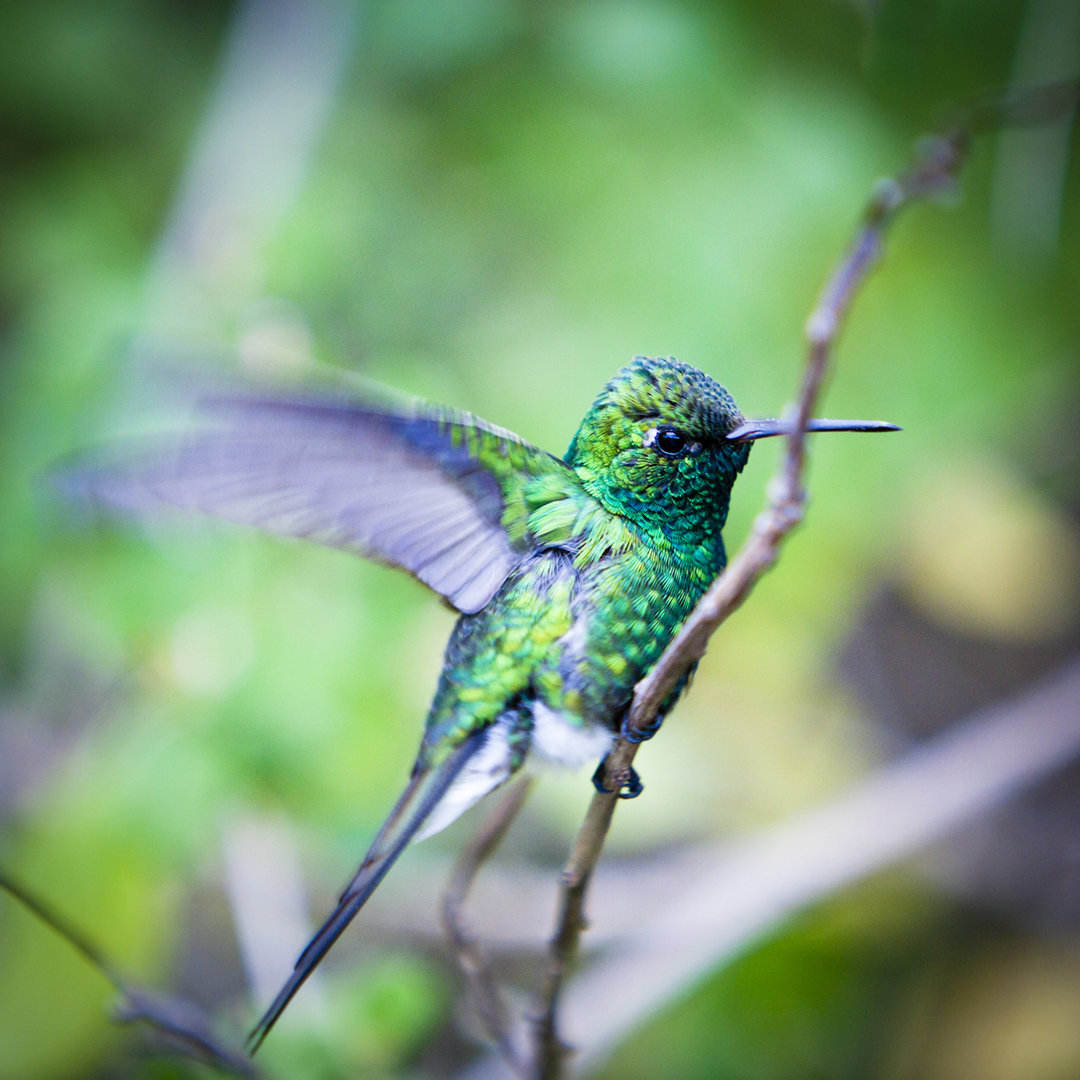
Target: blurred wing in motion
(438,492)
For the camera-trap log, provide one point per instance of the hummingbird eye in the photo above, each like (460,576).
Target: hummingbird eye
(667,440)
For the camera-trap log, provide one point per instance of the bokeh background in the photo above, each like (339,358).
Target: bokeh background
(495,204)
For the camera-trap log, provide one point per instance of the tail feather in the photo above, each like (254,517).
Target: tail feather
(390,842)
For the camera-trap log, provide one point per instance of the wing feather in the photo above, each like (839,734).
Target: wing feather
(437,492)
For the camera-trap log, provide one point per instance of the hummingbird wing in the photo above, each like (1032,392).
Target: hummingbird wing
(440,493)
(425,790)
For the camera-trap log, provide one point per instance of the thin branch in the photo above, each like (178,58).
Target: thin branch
(736,893)
(550,1051)
(184,1028)
(733,893)
(483,989)
(933,172)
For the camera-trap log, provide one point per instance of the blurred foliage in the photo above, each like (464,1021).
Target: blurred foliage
(506,203)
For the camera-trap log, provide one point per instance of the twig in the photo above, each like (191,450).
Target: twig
(550,1051)
(486,998)
(731,894)
(933,172)
(740,891)
(181,1025)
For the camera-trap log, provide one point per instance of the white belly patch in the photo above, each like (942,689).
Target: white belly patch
(555,739)
(560,740)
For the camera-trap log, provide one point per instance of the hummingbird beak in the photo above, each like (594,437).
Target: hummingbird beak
(749,430)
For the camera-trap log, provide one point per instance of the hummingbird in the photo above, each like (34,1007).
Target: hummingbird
(571,574)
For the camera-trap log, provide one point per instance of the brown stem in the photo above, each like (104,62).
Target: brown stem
(933,171)
(487,1000)
(551,1052)
(182,1027)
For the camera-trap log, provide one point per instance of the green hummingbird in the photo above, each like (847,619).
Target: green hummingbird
(571,574)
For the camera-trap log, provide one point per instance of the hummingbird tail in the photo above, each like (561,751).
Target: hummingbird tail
(392,839)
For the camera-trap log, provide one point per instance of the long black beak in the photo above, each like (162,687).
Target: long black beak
(749,430)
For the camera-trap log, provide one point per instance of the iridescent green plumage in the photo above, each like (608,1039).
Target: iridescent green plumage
(626,543)
(572,575)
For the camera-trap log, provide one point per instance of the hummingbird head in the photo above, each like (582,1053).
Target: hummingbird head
(654,447)
(663,444)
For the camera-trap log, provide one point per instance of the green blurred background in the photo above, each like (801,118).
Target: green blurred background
(495,205)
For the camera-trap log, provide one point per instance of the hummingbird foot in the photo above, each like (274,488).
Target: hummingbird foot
(629,788)
(641,734)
